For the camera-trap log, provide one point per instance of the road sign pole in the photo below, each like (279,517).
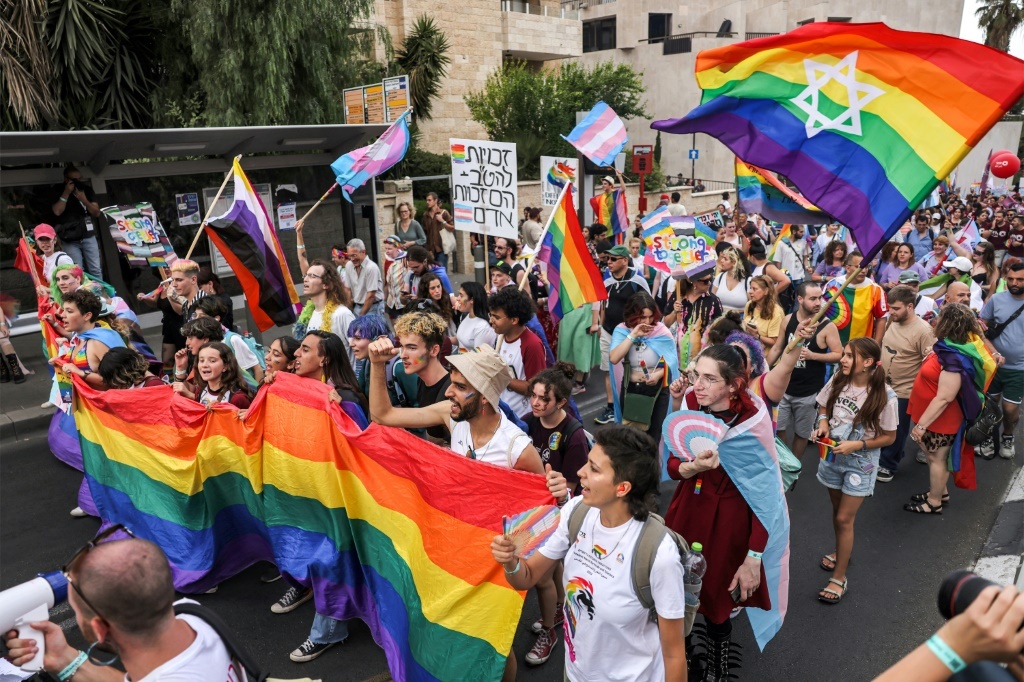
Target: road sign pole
(693,162)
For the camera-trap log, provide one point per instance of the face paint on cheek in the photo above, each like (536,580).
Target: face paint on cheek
(418,360)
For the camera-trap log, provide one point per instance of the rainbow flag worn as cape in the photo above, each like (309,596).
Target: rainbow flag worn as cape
(855,310)
(573,277)
(865,120)
(976,367)
(370,520)
(610,211)
(246,237)
(759,191)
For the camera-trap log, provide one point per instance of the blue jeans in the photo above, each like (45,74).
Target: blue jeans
(327,630)
(441,258)
(892,455)
(86,253)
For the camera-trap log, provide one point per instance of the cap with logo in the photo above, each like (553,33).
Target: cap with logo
(909,276)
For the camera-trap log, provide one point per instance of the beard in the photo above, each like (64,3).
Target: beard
(468,410)
(1016,291)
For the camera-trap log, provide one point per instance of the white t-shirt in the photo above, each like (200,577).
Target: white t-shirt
(512,353)
(677,209)
(791,258)
(341,318)
(608,635)
(848,404)
(503,449)
(243,354)
(732,299)
(51,262)
(474,331)
(206,658)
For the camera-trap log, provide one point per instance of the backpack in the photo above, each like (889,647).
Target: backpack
(647,545)
(789,465)
(395,387)
(568,432)
(250,341)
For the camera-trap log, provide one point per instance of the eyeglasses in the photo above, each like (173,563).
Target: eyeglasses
(704,281)
(92,544)
(979,253)
(310,275)
(703,379)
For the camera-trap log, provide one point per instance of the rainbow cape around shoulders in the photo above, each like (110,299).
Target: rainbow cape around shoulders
(610,211)
(380,524)
(661,340)
(976,367)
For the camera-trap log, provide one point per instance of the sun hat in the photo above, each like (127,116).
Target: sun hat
(485,371)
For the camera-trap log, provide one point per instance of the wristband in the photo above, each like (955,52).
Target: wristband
(300,246)
(519,564)
(64,199)
(822,416)
(945,654)
(754,555)
(68,672)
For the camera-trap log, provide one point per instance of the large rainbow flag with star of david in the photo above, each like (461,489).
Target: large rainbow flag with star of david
(865,120)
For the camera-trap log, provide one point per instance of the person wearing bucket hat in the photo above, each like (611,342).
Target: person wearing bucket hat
(479,429)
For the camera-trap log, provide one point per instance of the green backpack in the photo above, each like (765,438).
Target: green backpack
(788,464)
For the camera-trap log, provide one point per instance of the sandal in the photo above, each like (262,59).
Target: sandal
(923,497)
(828,558)
(922,508)
(836,596)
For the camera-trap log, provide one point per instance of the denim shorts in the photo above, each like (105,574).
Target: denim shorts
(853,474)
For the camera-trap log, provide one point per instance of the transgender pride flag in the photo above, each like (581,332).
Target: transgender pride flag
(600,136)
(356,167)
(245,237)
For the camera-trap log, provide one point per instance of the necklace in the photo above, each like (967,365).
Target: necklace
(599,551)
(472,448)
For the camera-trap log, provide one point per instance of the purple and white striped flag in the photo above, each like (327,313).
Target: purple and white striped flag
(355,168)
(600,136)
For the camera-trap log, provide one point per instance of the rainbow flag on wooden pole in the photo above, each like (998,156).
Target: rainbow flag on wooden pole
(573,277)
(369,519)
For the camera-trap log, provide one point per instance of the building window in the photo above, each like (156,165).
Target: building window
(599,34)
(840,19)
(805,22)
(659,27)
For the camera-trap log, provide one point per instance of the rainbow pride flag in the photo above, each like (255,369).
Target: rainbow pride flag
(865,120)
(856,309)
(610,211)
(370,520)
(760,192)
(573,277)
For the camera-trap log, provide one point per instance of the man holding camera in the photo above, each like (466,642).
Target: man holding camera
(128,616)
(77,215)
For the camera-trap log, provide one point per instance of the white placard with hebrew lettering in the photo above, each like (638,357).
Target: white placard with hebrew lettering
(484,187)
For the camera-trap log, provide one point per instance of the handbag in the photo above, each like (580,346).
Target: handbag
(980,428)
(789,465)
(638,408)
(447,237)
(72,230)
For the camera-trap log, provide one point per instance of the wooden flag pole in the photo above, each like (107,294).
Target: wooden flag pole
(821,313)
(319,201)
(32,266)
(213,203)
(544,233)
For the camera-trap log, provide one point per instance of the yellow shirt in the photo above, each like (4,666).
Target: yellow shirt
(768,327)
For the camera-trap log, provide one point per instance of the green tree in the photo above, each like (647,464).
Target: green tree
(25,65)
(657,148)
(520,104)
(1000,19)
(424,57)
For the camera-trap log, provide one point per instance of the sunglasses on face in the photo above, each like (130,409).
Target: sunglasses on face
(82,551)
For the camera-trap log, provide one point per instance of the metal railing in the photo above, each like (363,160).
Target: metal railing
(576,5)
(751,36)
(523,7)
(709,185)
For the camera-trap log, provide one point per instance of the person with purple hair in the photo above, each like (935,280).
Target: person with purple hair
(361,332)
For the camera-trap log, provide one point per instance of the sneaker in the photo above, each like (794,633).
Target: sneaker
(47,405)
(921,457)
(1006,447)
(578,387)
(291,600)
(271,576)
(79,513)
(538,625)
(542,648)
(212,590)
(986,450)
(309,651)
(884,475)
(606,417)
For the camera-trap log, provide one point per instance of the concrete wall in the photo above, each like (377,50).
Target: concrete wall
(1005,135)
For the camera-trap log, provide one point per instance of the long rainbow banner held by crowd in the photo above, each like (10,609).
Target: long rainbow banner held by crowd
(382,525)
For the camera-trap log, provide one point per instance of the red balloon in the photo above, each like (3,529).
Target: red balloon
(1004,164)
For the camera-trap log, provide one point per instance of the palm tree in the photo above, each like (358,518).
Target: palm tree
(1000,19)
(25,65)
(423,56)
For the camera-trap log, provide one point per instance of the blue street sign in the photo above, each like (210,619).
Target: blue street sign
(693,155)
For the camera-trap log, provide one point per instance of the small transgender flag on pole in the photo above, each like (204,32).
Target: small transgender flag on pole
(355,168)
(600,136)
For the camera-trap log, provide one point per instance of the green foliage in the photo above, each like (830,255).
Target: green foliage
(25,73)
(424,57)
(1000,19)
(657,148)
(520,103)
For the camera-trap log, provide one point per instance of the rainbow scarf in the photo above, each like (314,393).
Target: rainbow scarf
(661,341)
(976,367)
(373,529)
(610,211)
(865,120)
(573,277)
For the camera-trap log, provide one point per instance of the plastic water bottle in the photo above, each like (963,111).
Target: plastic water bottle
(696,565)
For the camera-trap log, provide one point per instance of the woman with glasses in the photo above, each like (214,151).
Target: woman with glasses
(644,362)
(731,501)
(983,268)
(407,229)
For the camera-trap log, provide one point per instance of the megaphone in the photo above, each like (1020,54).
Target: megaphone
(30,602)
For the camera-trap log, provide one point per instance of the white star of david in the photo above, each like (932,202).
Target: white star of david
(858,94)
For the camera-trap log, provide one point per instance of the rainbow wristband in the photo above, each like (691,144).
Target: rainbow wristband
(946,654)
(69,672)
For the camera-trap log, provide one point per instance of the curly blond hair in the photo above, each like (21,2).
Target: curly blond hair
(431,327)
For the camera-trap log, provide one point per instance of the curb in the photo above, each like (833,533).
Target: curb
(24,423)
(1002,557)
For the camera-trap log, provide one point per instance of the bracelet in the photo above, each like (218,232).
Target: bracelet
(68,672)
(822,416)
(945,654)
(64,199)
(519,564)
(300,246)
(754,555)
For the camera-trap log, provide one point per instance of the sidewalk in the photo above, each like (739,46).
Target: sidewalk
(1002,557)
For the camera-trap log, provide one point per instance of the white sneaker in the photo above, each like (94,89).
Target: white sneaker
(47,405)
(1006,450)
(79,513)
(987,450)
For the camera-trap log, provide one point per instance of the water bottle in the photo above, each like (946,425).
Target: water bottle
(696,565)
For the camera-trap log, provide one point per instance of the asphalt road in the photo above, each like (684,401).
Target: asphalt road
(898,561)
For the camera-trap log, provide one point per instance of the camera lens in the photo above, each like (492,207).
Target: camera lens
(958,591)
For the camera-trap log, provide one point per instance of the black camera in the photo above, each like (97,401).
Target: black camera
(79,185)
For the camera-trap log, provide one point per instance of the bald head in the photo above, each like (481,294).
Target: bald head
(129,583)
(958,292)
